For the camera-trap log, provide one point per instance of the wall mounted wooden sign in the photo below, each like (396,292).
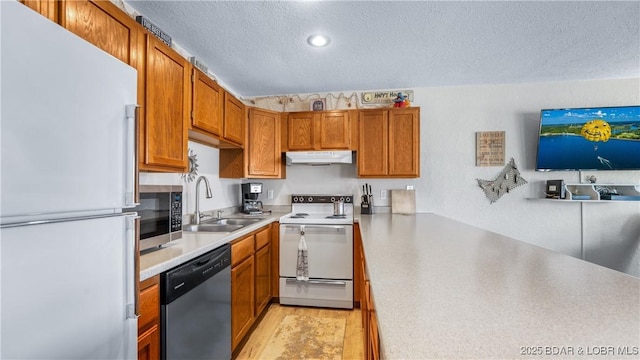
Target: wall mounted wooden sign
(490,148)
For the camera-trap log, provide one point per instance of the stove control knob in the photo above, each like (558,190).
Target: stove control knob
(295,199)
(342,198)
(333,199)
(348,199)
(310,199)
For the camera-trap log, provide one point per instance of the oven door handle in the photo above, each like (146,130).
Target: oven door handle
(318,282)
(339,227)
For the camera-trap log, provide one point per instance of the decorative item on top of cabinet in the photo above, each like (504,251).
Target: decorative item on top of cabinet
(320,130)
(389,143)
(163,128)
(262,156)
(149,320)
(47,8)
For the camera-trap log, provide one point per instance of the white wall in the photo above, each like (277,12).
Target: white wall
(450,117)
(226,192)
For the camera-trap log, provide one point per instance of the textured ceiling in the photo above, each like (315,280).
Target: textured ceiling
(260,48)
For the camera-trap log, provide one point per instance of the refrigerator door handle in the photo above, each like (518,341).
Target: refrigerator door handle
(132,266)
(131,157)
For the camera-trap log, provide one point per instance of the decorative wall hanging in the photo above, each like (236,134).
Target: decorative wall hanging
(193,167)
(317,105)
(490,148)
(508,179)
(385,97)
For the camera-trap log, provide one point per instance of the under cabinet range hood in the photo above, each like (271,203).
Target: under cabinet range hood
(319,157)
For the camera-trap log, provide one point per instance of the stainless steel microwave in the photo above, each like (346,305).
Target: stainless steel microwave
(160,212)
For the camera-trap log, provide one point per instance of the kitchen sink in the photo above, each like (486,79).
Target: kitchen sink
(208,227)
(221,225)
(233,221)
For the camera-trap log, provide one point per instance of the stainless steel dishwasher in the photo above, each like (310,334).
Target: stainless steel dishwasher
(196,308)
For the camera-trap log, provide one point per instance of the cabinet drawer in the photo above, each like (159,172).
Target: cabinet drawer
(263,237)
(241,249)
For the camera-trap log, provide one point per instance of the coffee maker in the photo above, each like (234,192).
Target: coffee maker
(250,203)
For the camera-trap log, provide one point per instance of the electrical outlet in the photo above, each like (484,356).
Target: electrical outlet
(383,194)
(269,194)
(409,187)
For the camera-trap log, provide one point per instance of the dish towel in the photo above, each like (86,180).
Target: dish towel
(302,270)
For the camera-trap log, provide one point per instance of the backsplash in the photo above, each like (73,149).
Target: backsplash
(226,192)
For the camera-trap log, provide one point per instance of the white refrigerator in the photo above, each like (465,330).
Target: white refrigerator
(67,242)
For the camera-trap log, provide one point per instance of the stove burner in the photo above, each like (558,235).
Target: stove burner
(299,215)
(336,217)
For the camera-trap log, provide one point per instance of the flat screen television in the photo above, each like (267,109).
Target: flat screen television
(599,138)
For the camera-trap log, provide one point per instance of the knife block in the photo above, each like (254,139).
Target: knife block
(366,208)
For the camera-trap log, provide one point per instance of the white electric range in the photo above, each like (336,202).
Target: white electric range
(329,241)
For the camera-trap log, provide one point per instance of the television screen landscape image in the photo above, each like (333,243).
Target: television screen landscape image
(604,138)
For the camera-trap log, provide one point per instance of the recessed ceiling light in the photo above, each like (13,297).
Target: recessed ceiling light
(318,40)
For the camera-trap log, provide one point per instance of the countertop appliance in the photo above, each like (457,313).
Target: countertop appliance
(68,168)
(160,211)
(329,252)
(196,308)
(250,203)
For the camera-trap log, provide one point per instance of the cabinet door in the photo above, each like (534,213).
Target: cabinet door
(234,119)
(149,304)
(404,142)
(47,8)
(167,108)
(149,344)
(335,130)
(207,104)
(263,278)
(301,131)
(242,299)
(264,157)
(104,25)
(373,143)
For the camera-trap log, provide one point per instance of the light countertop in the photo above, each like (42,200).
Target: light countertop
(194,244)
(444,289)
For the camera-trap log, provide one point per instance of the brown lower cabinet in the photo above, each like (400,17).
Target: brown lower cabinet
(250,281)
(149,320)
(369,317)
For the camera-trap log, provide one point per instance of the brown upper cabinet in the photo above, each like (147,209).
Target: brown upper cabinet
(234,120)
(164,92)
(104,25)
(263,148)
(47,8)
(207,104)
(262,155)
(164,138)
(389,144)
(320,130)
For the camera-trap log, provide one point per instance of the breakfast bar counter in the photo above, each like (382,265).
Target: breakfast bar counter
(443,289)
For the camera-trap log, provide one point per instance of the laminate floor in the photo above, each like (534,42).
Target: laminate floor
(256,345)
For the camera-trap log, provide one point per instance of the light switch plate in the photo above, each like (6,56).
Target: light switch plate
(409,187)
(383,194)
(269,194)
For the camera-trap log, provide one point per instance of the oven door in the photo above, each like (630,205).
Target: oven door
(330,251)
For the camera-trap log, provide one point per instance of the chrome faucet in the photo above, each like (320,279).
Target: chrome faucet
(197,215)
